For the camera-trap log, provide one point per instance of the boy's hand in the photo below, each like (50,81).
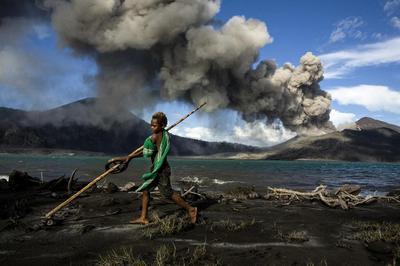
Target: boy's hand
(120,164)
(124,159)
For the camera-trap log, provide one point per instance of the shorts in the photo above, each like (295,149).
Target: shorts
(163,182)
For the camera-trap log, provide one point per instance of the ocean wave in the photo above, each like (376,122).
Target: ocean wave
(205,181)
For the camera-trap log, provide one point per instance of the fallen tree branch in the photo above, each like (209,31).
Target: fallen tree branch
(342,197)
(71,179)
(188,191)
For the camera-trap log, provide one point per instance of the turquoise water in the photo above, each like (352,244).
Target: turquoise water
(217,174)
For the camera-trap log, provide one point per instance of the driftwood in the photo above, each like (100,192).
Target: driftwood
(18,180)
(188,191)
(71,180)
(343,197)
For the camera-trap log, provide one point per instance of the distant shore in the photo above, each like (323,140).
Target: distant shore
(44,151)
(218,156)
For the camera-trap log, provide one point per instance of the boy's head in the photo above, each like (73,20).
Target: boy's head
(158,122)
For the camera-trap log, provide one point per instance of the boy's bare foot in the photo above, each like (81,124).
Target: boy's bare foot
(193,215)
(139,221)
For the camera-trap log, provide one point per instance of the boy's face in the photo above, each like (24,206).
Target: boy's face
(156,127)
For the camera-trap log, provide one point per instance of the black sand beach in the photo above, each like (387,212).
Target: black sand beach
(230,231)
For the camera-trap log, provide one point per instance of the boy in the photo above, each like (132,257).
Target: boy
(157,147)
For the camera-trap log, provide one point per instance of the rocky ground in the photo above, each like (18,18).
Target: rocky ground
(236,228)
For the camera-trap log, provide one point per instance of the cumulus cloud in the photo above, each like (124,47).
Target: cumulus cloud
(347,28)
(391,6)
(395,21)
(373,97)
(339,64)
(340,119)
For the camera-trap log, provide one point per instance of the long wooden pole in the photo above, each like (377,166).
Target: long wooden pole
(97,179)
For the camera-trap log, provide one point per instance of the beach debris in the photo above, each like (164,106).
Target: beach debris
(192,194)
(53,221)
(187,191)
(111,188)
(21,180)
(395,192)
(4,185)
(253,195)
(242,193)
(64,184)
(58,184)
(341,198)
(130,186)
(71,180)
(351,189)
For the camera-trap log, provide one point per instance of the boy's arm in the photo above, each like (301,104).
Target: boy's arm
(135,153)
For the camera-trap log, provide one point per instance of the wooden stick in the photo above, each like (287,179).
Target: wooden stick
(97,179)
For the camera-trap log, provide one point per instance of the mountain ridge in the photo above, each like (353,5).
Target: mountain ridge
(88,125)
(370,141)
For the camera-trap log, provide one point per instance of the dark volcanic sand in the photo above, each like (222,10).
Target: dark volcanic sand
(92,229)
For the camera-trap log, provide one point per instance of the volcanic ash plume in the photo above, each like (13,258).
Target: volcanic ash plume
(149,50)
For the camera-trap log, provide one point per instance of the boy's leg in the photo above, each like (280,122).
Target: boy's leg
(145,205)
(164,185)
(192,211)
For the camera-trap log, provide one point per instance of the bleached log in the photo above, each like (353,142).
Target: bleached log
(345,198)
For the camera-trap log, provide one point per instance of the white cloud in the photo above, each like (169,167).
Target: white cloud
(347,27)
(201,133)
(372,97)
(391,6)
(377,35)
(395,22)
(256,133)
(340,63)
(339,119)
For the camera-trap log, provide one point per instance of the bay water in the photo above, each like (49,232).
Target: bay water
(213,174)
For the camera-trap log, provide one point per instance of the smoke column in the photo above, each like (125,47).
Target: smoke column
(152,50)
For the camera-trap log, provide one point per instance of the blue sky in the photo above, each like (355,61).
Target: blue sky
(358,42)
